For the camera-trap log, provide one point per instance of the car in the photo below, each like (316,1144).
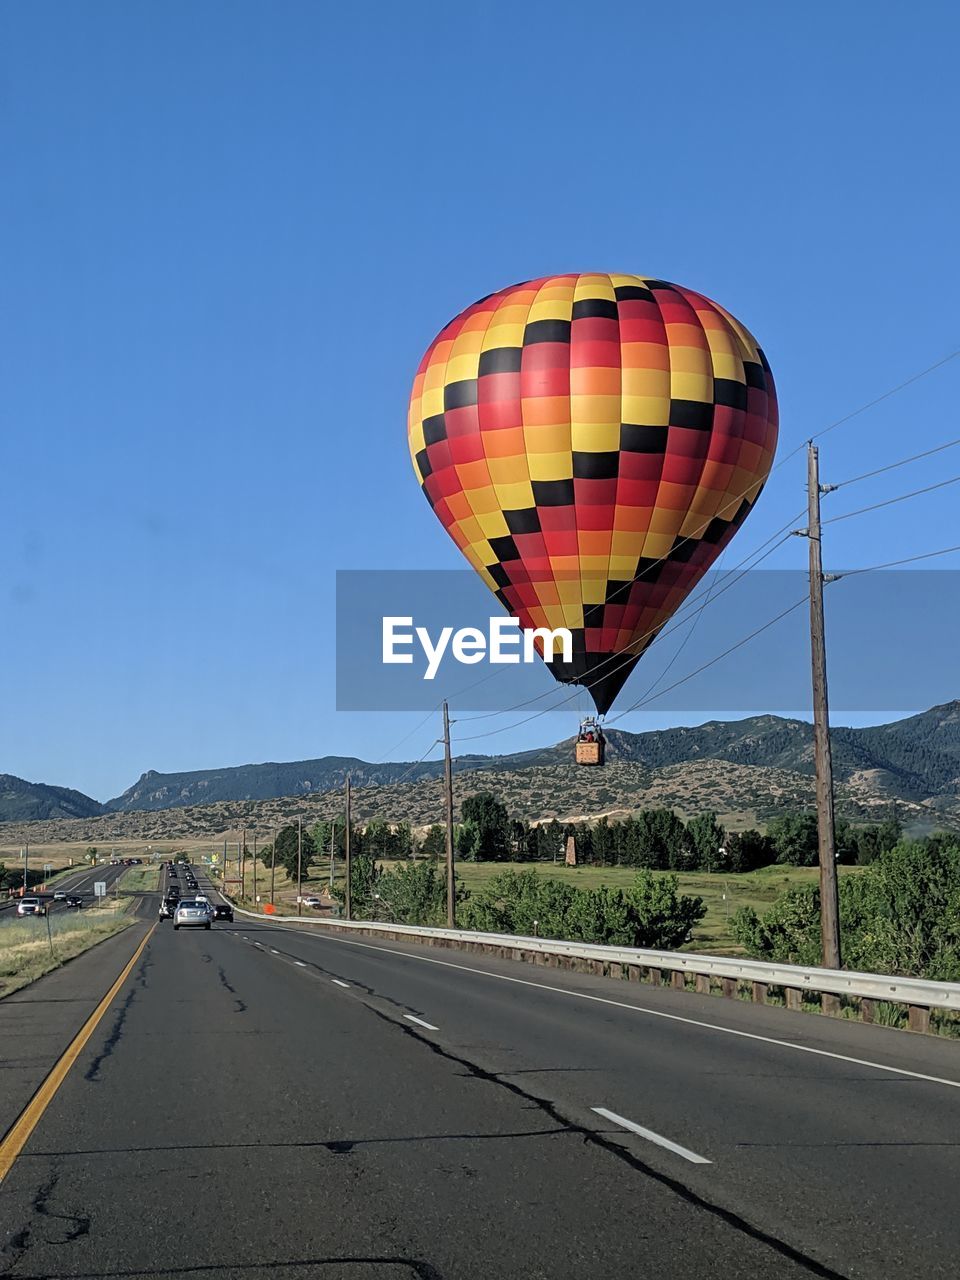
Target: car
(313,901)
(73,900)
(173,891)
(223,911)
(173,874)
(191,914)
(31,907)
(168,907)
(60,895)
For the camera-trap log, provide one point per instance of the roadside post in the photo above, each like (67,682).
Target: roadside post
(100,891)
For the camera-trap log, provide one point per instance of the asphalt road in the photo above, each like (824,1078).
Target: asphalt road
(261,1100)
(79,882)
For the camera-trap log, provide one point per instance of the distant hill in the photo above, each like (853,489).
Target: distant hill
(912,759)
(22,801)
(748,770)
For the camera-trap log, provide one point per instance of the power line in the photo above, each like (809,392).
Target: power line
(403,777)
(416,729)
(890,564)
(892,466)
(686,639)
(889,502)
(492,732)
(739,645)
(855,413)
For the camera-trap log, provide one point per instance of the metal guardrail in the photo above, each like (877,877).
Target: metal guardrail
(917,993)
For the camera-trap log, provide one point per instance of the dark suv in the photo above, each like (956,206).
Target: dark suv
(223,911)
(169,905)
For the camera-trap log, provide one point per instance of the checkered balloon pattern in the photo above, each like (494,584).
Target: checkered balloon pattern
(592,443)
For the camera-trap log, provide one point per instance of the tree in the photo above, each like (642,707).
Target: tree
(365,877)
(747,850)
(435,842)
(378,839)
(871,841)
(650,914)
(795,839)
(403,845)
(604,843)
(707,838)
(320,834)
(91,855)
(415,893)
(287,850)
(466,841)
(549,840)
(492,821)
(897,916)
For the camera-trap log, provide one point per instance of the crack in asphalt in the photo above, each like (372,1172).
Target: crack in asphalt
(113,1039)
(592,1137)
(22,1241)
(417,1267)
(239,1006)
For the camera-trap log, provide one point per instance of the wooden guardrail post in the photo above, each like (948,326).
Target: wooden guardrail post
(918,1018)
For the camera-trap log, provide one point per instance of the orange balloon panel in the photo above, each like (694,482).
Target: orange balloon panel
(592,443)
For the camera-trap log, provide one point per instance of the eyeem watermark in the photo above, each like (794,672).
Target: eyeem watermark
(504,643)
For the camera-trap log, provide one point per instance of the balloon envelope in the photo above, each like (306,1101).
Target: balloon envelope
(592,443)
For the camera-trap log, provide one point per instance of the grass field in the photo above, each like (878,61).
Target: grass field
(64,854)
(723,895)
(27,952)
(140,879)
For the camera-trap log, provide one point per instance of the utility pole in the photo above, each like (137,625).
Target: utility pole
(299,866)
(242,861)
(448,798)
(255,871)
(829,900)
(333,835)
(348,903)
(26,860)
(273,864)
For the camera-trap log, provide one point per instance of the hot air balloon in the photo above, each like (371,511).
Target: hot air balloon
(592,443)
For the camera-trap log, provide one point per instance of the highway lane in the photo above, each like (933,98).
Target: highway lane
(808,1147)
(234,1115)
(260,1097)
(80,881)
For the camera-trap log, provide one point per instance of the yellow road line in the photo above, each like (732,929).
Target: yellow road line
(18,1136)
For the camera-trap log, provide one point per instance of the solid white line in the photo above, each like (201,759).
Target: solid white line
(299,964)
(274,953)
(651,1136)
(636,1008)
(341,984)
(420,1022)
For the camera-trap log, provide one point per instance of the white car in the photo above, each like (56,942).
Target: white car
(313,901)
(60,895)
(191,914)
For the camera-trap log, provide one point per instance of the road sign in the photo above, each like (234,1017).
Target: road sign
(100,888)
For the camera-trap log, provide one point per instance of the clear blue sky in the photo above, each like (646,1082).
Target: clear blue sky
(230,230)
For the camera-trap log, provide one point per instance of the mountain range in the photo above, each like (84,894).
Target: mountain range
(915,760)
